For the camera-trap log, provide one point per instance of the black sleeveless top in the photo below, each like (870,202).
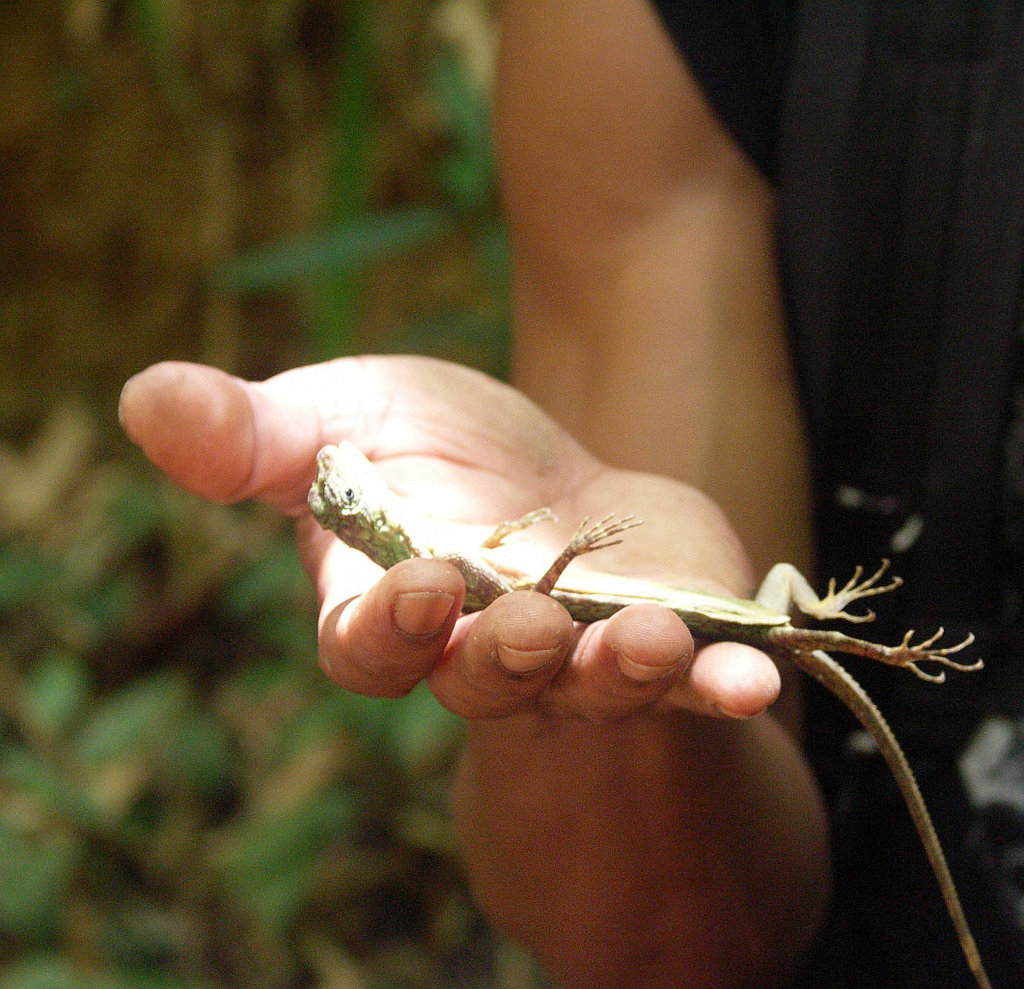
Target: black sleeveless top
(893,131)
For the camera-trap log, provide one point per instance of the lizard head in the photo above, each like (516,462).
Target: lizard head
(349,498)
(345,486)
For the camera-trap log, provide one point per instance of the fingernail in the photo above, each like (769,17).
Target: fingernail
(642,671)
(526,660)
(421,612)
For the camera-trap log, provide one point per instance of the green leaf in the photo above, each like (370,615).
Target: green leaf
(367,718)
(315,724)
(420,729)
(352,118)
(56,689)
(411,729)
(137,716)
(468,173)
(152,25)
(266,676)
(495,256)
(481,340)
(272,862)
(349,245)
(35,870)
(27,576)
(274,579)
(44,972)
(138,510)
(48,971)
(110,603)
(24,770)
(334,317)
(203,759)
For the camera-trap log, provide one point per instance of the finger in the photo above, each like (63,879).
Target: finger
(195,423)
(625,663)
(728,679)
(220,437)
(384,642)
(501,661)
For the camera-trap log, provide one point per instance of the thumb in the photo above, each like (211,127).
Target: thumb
(213,434)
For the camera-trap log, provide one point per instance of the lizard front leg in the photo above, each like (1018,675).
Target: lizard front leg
(586,539)
(505,529)
(484,583)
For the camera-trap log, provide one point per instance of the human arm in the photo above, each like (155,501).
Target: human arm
(648,321)
(349,498)
(648,315)
(627,841)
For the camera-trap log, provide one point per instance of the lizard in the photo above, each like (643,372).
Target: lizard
(350,499)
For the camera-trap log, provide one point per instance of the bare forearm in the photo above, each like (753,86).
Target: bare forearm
(648,322)
(648,315)
(660,852)
(678,389)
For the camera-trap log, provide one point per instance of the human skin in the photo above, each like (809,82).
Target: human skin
(648,317)
(625,805)
(613,777)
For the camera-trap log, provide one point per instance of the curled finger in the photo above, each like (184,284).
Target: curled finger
(625,663)
(383,642)
(501,661)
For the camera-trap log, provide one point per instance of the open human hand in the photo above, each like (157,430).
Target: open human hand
(467,452)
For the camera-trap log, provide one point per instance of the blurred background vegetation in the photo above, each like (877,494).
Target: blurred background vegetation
(184,801)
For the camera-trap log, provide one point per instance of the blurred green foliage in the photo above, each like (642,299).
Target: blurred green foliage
(333,261)
(185,802)
(184,799)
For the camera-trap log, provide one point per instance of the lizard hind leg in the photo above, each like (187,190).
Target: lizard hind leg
(785,585)
(908,655)
(588,537)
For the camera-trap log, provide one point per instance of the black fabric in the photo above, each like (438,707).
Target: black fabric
(738,52)
(888,926)
(901,183)
(901,186)
(897,148)
(894,130)
(1011,561)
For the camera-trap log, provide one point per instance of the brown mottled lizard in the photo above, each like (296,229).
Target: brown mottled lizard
(350,499)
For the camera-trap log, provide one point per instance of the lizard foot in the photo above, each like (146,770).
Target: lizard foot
(503,531)
(601,534)
(908,656)
(834,603)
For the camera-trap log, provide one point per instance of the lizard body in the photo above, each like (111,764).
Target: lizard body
(350,499)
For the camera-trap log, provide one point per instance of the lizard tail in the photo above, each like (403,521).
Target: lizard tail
(834,678)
